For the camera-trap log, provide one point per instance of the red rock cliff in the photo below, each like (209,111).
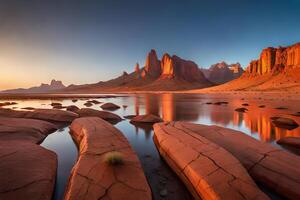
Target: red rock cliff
(175,67)
(152,65)
(275,60)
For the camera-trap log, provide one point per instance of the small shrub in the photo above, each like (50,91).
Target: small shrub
(114,158)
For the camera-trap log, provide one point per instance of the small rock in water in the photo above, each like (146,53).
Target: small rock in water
(241,109)
(262,106)
(285,123)
(281,108)
(245,104)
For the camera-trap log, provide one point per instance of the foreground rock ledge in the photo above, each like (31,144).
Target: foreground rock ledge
(272,167)
(52,115)
(27,171)
(24,129)
(209,171)
(92,177)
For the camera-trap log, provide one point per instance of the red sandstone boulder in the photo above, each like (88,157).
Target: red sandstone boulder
(109,106)
(27,171)
(42,114)
(148,118)
(89,112)
(24,129)
(272,167)
(72,108)
(290,141)
(208,170)
(93,177)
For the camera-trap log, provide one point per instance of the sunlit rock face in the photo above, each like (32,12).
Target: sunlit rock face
(275,60)
(222,72)
(137,69)
(152,65)
(175,67)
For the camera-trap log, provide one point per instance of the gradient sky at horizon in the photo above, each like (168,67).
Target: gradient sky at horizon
(88,41)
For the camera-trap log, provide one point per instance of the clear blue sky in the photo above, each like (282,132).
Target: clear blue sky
(88,41)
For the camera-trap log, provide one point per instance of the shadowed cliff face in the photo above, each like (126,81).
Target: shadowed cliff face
(275,60)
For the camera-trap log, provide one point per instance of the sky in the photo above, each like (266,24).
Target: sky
(95,40)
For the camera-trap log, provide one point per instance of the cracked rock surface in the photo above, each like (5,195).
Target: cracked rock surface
(92,177)
(272,167)
(54,115)
(208,170)
(27,171)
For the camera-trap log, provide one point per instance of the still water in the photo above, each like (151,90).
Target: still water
(192,108)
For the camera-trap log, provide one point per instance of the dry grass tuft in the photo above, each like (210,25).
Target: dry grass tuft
(114,158)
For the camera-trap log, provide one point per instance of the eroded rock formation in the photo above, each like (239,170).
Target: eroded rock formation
(275,60)
(209,171)
(152,65)
(92,176)
(274,168)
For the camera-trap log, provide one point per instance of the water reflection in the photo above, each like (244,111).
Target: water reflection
(193,108)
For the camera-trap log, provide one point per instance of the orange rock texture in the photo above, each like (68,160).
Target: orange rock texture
(272,167)
(92,176)
(275,60)
(208,170)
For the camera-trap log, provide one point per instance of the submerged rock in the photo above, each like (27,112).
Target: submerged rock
(273,168)
(148,118)
(27,171)
(202,164)
(109,106)
(285,123)
(290,141)
(92,177)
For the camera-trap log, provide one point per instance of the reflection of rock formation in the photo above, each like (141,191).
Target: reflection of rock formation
(151,104)
(167,107)
(136,105)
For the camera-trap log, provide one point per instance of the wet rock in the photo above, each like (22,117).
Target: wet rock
(72,108)
(74,100)
(28,108)
(109,106)
(25,129)
(8,104)
(92,177)
(274,168)
(201,163)
(42,114)
(27,171)
(241,109)
(55,104)
(290,141)
(88,104)
(221,103)
(129,116)
(148,118)
(285,123)
(89,112)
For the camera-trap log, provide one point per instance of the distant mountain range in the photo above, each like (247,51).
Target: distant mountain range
(277,68)
(220,73)
(43,88)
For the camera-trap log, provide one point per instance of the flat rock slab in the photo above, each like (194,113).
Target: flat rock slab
(27,171)
(290,141)
(89,112)
(208,170)
(92,176)
(149,118)
(42,114)
(272,167)
(25,129)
